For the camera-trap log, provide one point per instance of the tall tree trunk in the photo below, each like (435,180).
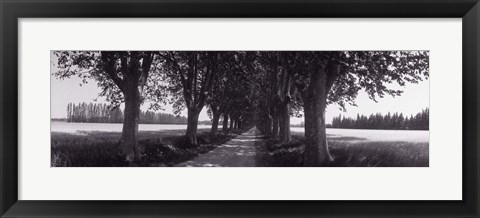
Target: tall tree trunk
(268,125)
(275,126)
(192,125)
(283,106)
(276,118)
(232,122)
(216,118)
(269,118)
(225,122)
(284,112)
(236,124)
(273,97)
(128,142)
(316,147)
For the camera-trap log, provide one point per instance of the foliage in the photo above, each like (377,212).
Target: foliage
(189,75)
(350,71)
(110,70)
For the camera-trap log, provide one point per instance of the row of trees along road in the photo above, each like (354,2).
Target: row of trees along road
(102,113)
(248,88)
(388,121)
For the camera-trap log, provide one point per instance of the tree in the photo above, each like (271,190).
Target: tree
(269,64)
(220,98)
(190,76)
(281,96)
(336,77)
(283,101)
(122,76)
(242,89)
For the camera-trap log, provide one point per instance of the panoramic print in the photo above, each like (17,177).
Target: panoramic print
(239,108)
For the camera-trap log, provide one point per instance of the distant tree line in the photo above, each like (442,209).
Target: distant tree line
(102,113)
(150,117)
(389,121)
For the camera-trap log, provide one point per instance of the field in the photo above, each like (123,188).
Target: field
(78,128)
(95,144)
(80,144)
(359,148)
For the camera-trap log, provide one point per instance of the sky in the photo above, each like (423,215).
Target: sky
(413,100)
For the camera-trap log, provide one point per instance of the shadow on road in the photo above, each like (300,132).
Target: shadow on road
(238,152)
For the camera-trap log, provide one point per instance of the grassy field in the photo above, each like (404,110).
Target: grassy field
(352,152)
(350,148)
(100,149)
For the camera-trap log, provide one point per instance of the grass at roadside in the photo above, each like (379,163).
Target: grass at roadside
(351,152)
(100,149)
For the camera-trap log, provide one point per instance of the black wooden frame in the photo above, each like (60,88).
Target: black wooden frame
(12,10)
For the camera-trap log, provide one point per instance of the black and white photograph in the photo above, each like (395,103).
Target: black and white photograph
(241,108)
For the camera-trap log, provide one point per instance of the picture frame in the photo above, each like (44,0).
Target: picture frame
(10,206)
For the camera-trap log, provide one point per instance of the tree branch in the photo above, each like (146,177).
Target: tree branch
(195,76)
(332,70)
(146,65)
(176,65)
(109,68)
(207,84)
